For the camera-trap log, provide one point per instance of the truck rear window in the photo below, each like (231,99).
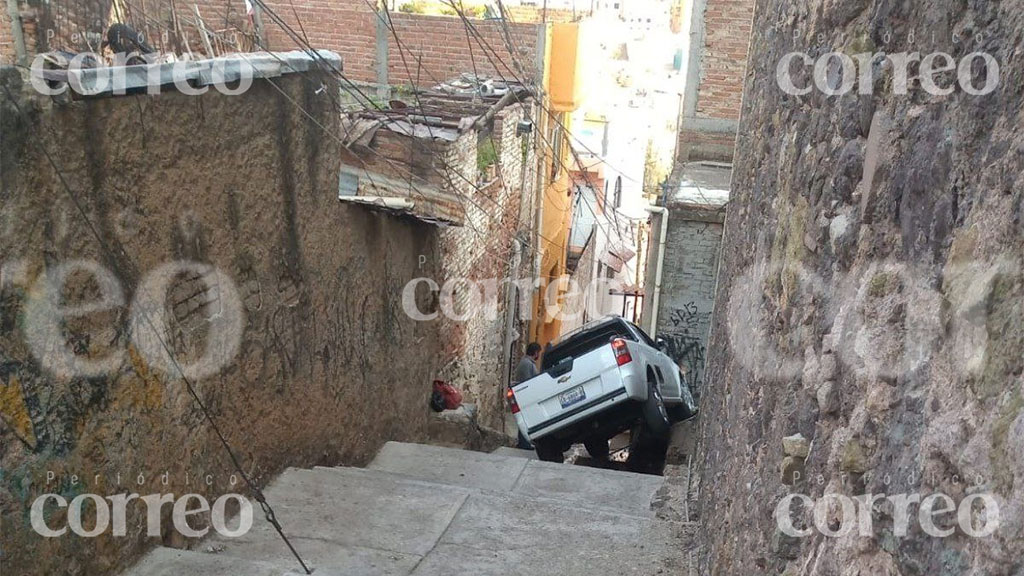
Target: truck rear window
(579,344)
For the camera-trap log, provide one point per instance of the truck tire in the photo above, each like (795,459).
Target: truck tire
(678,412)
(655,413)
(597,448)
(549,451)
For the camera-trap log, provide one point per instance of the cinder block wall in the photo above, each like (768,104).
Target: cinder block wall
(688,287)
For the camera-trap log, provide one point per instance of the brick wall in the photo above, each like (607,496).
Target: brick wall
(707,129)
(696,144)
(726,39)
(437,49)
(532,14)
(7,54)
(347,27)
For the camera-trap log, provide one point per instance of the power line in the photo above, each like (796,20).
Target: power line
(402,52)
(512,53)
(556,154)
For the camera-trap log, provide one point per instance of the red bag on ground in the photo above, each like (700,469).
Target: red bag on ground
(452,397)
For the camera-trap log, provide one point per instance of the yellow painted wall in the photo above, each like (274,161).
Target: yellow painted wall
(564,94)
(557,202)
(565,84)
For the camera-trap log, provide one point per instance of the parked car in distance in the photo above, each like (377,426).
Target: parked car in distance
(596,383)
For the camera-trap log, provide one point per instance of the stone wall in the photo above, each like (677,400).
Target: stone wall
(483,252)
(328,365)
(871,300)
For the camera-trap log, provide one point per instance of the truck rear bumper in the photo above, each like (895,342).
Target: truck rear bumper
(606,415)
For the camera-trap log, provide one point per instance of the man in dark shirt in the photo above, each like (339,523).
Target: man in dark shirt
(526,369)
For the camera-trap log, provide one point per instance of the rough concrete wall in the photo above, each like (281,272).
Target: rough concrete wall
(871,298)
(329,365)
(688,290)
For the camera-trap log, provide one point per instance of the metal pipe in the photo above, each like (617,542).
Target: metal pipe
(17,32)
(660,265)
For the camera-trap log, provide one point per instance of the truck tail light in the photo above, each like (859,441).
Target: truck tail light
(621,352)
(512,401)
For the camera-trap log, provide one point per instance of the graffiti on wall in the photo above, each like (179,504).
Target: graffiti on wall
(685,334)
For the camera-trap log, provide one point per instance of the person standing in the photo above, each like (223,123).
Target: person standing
(526,369)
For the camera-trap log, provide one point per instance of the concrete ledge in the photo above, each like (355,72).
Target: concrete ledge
(450,466)
(104,80)
(590,488)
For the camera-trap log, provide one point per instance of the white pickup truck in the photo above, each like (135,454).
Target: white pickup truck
(598,382)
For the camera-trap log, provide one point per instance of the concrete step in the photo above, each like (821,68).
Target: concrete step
(589,488)
(450,466)
(170,562)
(506,534)
(475,513)
(352,508)
(506,451)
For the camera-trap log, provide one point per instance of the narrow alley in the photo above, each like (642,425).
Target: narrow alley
(511,287)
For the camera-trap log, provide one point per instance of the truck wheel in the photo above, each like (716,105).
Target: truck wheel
(678,413)
(597,448)
(549,451)
(655,413)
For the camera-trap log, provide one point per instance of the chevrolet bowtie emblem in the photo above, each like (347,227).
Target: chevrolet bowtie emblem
(564,379)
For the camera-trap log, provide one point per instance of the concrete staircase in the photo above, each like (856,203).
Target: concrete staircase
(429,511)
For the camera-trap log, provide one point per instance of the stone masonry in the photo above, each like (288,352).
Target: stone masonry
(869,319)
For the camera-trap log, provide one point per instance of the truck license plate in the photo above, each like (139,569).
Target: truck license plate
(572,396)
